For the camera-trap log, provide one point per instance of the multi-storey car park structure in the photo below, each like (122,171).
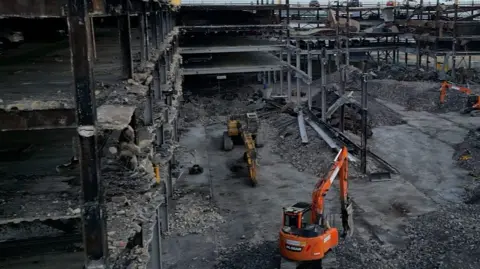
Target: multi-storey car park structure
(125,66)
(129,60)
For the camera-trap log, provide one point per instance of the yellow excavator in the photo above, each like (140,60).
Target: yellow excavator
(243,129)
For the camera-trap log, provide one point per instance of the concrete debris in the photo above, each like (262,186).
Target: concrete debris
(194,214)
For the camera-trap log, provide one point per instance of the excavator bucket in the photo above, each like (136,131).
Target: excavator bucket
(347,220)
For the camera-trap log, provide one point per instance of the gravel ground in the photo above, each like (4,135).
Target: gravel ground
(249,256)
(448,238)
(467,156)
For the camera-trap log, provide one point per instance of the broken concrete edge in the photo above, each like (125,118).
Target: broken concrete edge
(148,67)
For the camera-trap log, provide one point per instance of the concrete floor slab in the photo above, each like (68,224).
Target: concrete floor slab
(422,149)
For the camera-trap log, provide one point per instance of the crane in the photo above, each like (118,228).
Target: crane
(306,235)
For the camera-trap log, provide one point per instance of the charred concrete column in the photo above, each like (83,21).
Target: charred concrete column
(93,200)
(154,28)
(142,18)
(124,28)
(160,25)
(297,54)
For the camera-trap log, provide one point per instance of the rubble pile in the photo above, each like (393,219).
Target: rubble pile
(194,214)
(403,73)
(467,156)
(245,255)
(447,238)
(286,142)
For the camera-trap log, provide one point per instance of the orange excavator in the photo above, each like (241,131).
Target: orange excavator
(473,100)
(306,235)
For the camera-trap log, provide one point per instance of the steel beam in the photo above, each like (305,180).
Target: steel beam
(229,70)
(226,49)
(301,127)
(93,206)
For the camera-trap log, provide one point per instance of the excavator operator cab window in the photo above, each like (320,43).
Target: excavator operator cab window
(306,218)
(291,221)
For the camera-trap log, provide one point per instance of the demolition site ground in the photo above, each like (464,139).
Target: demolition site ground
(424,217)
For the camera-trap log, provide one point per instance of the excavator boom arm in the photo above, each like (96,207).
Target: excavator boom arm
(339,168)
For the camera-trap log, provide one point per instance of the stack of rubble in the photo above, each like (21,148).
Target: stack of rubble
(404,73)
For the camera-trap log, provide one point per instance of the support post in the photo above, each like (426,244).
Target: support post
(143,34)
(124,28)
(406,52)
(160,25)
(323,64)
(148,112)
(309,68)
(289,53)
(94,43)
(297,54)
(160,137)
(154,28)
(156,253)
(454,43)
(93,200)
(281,82)
(363,163)
(343,83)
(169,179)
